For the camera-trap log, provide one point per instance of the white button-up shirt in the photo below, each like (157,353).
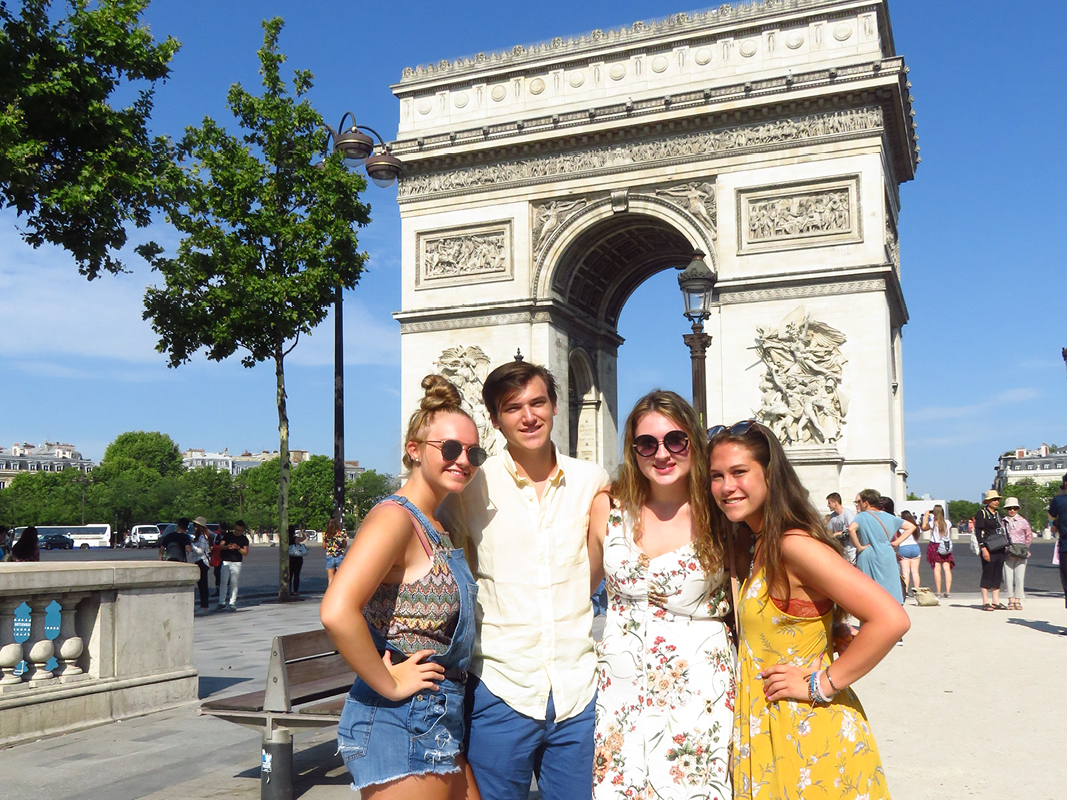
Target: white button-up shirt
(529,557)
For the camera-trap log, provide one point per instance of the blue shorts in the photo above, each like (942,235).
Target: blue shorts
(382,740)
(333,562)
(909,551)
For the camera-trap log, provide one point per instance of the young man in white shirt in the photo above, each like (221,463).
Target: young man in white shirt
(840,519)
(523,522)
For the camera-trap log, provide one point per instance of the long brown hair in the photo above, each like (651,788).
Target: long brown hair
(787,508)
(939,520)
(632,488)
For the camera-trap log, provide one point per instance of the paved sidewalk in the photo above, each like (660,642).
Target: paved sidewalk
(971,706)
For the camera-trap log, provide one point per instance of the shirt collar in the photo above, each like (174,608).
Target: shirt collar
(513,471)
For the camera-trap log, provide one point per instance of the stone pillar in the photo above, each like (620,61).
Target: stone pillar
(10,650)
(68,645)
(41,647)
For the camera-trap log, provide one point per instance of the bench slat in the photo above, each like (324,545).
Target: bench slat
(252,701)
(309,643)
(332,707)
(317,690)
(314,669)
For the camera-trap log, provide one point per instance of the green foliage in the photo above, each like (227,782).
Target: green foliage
(367,489)
(268,234)
(1033,500)
(913,496)
(76,168)
(962,510)
(312,493)
(152,450)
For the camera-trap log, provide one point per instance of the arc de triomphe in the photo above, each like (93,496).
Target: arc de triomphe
(544,184)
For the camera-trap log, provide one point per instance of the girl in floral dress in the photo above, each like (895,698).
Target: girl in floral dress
(665,698)
(800,732)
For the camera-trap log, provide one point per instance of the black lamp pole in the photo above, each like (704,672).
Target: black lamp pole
(697,283)
(338,408)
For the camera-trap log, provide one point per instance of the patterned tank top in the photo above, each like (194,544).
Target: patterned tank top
(423,614)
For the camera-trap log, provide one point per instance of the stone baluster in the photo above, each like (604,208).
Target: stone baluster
(10,650)
(41,648)
(68,645)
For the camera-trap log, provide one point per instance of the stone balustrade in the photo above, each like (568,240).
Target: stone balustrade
(123,646)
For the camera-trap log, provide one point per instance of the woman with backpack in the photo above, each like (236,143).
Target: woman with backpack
(939,551)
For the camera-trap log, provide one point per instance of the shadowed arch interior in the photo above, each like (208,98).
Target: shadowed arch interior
(606,263)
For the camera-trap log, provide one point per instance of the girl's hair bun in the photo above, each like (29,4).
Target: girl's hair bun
(441,395)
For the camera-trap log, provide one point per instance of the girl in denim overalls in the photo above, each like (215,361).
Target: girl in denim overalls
(401,612)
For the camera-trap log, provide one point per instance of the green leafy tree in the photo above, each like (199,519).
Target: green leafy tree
(962,510)
(1033,500)
(366,490)
(268,236)
(312,491)
(258,499)
(152,450)
(77,168)
(206,491)
(913,496)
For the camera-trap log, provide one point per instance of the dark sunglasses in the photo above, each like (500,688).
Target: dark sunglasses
(737,429)
(451,450)
(647,446)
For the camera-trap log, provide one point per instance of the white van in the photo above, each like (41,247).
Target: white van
(144,536)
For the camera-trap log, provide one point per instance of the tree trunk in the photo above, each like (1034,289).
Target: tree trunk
(283,479)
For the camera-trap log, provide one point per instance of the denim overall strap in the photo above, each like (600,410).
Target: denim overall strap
(461,650)
(427,526)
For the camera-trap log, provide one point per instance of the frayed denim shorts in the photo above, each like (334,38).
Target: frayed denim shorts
(382,740)
(909,551)
(333,562)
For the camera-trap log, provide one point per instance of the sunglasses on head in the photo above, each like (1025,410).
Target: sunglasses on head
(451,450)
(737,429)
(647,446)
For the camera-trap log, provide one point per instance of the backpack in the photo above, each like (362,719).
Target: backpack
(175,551)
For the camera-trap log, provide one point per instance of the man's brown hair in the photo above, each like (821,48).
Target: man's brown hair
(510,379)
(834,497)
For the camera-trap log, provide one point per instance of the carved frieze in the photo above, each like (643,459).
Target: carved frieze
(467,254)
(698,199)
(799,215)
(467,368)
(892,246)
(634,155)
(801,399)
(549,218)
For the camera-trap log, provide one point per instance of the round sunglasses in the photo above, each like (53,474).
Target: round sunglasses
(451,450)
(737,429)
(647,446)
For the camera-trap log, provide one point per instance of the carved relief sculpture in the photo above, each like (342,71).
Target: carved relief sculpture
(549,218)
(464,255)
(801,399)
(799,215)
(467,368)
(696,198)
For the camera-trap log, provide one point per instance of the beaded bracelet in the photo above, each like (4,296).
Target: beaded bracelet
(831,680)
(815,692)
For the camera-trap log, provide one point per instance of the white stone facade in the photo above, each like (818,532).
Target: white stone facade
(543,185)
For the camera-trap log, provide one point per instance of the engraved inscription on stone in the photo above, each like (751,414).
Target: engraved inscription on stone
(464,255)
(799,215)
(467,368)
(801,398)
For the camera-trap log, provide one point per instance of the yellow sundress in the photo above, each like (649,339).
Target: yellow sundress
(788,750)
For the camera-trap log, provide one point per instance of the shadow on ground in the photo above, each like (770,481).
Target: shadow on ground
(318,765)
(210,685)
(1038,625)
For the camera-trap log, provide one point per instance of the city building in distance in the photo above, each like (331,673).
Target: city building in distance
(48,457)
(1045,464)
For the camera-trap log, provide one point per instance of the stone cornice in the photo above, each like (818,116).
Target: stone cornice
(659,34)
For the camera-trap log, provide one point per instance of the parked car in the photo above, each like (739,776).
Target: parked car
(144,536)
(56,541)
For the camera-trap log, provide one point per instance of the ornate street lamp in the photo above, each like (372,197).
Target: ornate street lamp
(697,282)
(384,170)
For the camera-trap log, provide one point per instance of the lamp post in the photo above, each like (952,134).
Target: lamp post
(357,149)
(1064,354)
(697,283)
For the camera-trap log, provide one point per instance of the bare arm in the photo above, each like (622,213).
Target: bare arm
(598,525)
(907,530)
(853,535)
(381,546)
(883,620)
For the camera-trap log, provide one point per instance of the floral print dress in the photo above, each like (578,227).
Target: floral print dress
(665,700)
(789,750)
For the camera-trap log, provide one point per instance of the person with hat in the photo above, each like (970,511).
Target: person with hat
(200,555)
(1019,537)
(992,547)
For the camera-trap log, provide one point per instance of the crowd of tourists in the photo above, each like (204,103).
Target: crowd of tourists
(726,663)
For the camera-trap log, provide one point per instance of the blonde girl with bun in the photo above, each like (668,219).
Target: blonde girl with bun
(401,611)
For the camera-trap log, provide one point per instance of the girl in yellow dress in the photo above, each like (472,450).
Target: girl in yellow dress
(799,731)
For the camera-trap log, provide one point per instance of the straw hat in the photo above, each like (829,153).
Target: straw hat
(991,495)
(1011,502)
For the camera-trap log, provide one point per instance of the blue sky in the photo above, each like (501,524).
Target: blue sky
(981,244)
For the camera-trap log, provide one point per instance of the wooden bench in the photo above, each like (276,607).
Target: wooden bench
(307,682)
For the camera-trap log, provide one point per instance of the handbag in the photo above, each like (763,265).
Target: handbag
(1018,550)
(975,548)
(298,550)
(924,597)
(995,542)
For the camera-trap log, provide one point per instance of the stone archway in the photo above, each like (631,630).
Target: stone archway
(543,184)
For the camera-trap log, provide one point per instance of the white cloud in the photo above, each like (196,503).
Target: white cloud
(1007,398)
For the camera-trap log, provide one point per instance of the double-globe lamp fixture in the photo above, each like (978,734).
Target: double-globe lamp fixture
(357,149)
(697,282)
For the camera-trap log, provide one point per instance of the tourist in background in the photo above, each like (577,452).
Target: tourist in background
(840,519)
(234,549)
(798,724)
(200,554)
(401,612)
(1019,537)
(297,551)
(939,551)
(334,542)
(666,685)
(1057,514)
(216,553)
(908,551)
(871,532)
(177,544)
(992,547)
(27,547)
